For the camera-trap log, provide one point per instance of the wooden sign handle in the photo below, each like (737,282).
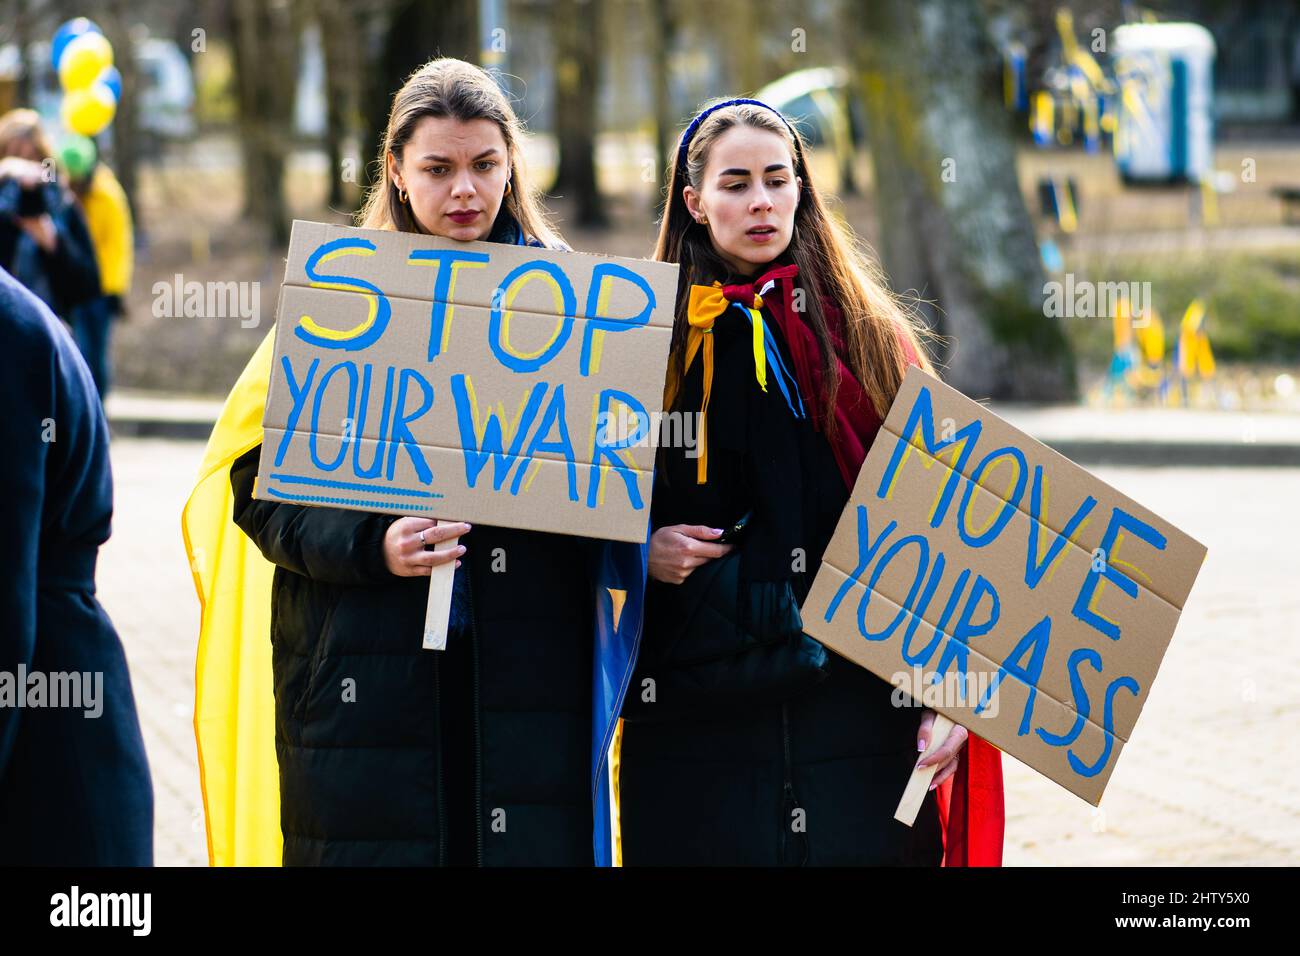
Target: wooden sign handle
(438,612)
(918,785)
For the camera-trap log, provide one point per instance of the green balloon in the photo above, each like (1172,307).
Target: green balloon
(77,154)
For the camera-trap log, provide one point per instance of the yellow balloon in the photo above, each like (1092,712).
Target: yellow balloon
(83,60)
(88,111)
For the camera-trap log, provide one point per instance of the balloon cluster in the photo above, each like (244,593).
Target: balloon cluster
(92,85)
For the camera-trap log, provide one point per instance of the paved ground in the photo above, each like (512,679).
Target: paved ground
(132,409)
(1211,776)
(1113,436)
(145,585)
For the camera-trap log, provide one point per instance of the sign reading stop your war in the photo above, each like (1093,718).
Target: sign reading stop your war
(467,381)
(1003,586)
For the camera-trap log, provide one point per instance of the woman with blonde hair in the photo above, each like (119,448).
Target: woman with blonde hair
(44,242)
(481,754)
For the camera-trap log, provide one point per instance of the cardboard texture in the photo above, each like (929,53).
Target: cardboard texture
(467,381)
(999,583)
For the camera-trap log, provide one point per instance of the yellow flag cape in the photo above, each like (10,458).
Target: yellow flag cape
(234,702)
(234,705)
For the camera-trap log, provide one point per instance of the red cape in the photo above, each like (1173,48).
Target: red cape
(971,810)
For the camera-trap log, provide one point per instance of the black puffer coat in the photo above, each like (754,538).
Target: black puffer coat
(394,755)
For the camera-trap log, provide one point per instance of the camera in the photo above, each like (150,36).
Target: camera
(24,203)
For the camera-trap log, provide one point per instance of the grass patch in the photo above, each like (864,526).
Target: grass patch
(1252,301)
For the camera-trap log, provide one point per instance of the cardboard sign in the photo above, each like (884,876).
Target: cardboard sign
(1000,584)
(468,381)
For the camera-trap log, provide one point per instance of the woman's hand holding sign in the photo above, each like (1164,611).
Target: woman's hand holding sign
(409,544)
(947,756)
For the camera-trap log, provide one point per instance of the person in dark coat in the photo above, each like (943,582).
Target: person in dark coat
(44,241)
(74,780)
(765,752)
(479,754)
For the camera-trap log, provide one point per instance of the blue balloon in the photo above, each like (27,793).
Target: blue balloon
(111,78)
(65,34)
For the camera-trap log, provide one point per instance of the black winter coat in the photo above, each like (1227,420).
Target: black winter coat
(394,755)
(74,780)
(783,779)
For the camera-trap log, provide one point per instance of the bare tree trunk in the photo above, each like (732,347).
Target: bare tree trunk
(336,37)
(19,18)
(126,130)
(266,38)
(663,37)
(954,225)
(742,56)
(577,72)
(414,32)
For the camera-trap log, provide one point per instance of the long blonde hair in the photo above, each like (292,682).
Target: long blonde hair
(446,87)
(23,125)
(833,262)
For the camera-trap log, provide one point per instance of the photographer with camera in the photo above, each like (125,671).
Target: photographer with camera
(44,242)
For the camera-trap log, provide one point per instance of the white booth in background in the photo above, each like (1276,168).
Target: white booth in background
(1165,72)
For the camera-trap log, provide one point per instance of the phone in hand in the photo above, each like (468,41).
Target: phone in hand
(733,534)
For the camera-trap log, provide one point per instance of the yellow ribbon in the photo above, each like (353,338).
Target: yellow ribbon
(703,307)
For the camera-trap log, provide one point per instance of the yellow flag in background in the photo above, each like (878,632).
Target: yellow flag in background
(1195,357)
(234,705)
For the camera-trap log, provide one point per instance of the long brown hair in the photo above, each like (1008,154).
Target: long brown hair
(446,87)
(833,262)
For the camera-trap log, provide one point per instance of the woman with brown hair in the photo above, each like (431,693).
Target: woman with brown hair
(744,741)
(479,754)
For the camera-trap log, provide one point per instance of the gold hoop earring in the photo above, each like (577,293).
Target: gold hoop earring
(703,220)
(509,186)
(401,195)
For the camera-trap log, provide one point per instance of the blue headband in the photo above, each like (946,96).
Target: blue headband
(695,124)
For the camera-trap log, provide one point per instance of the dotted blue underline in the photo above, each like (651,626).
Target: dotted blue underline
(322,499)
(353,486)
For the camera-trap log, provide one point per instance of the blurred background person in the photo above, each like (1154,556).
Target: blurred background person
(44,243)
(108,219)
